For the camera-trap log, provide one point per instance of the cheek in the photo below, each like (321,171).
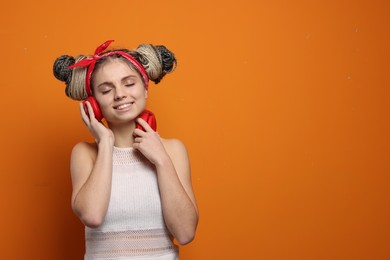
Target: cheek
(141,93)
(103,101)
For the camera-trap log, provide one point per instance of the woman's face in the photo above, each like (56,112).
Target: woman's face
(119,90)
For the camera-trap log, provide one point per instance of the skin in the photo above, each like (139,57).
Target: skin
(121,95)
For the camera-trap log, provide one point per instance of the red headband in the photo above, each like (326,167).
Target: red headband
(90,63)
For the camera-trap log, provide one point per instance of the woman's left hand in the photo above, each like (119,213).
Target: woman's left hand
(149,143)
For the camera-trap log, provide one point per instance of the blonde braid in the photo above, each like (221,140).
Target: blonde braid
(152,64)
(77,90)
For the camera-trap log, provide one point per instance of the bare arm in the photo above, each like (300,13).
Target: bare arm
(91,180)
(178,200)
(174,179)
(91,170)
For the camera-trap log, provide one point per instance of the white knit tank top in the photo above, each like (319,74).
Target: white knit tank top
(134,227)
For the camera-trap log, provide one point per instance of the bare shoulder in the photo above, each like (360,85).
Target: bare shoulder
(82,160)
(83,150)
(85,147)
(175,147)
(177,151)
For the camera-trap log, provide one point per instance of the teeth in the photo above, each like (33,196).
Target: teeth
(123,106)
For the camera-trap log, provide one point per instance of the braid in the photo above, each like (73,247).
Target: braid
(77,90)
(74,78)
(156,60)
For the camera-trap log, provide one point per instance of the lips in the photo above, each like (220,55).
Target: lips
(123,106)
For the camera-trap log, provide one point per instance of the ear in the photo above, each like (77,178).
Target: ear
(146,94)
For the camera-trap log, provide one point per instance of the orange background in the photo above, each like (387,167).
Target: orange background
(283,106)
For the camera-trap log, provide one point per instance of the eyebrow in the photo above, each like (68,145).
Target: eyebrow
(111,84)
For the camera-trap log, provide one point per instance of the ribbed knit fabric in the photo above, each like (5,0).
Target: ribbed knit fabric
(134,227)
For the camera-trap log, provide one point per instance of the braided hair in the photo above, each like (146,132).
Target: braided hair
(157,61)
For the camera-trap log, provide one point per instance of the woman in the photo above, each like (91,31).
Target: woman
(131,188)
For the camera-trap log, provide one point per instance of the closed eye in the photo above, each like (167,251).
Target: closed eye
(106,91)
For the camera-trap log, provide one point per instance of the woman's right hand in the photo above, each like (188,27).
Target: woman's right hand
(97,129)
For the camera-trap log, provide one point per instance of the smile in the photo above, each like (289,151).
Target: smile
(123,106)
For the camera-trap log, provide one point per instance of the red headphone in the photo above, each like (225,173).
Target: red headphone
(146,115)
(90,62)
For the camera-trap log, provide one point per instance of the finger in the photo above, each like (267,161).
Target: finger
(138,139)
(84,115)
(138,132)
(136,146)
(90,111)
(144,124)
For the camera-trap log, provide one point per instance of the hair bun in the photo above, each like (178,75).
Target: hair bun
(157,61)
(60,68)
(168,60)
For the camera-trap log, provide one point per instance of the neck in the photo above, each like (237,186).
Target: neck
(123,134)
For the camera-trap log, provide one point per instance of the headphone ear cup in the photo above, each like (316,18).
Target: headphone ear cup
(149,117)
(95,108)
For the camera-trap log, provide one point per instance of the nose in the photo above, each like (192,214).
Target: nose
(119,94)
